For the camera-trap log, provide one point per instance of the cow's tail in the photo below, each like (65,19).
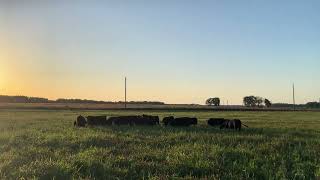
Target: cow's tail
(245,125)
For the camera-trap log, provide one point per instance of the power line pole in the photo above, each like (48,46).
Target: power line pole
(125,92)
(294,99)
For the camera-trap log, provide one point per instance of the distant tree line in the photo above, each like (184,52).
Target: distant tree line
(313,104)
(287,105)
(22,99)
(307,105)
(143,102)
(26,99)
(85,101)
(257,101)
(249,101)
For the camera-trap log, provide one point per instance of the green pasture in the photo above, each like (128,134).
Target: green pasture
(36,144)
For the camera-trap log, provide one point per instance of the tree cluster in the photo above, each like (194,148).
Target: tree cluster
(256,101)
(213,101)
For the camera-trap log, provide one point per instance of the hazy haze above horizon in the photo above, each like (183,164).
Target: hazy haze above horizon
(173,51)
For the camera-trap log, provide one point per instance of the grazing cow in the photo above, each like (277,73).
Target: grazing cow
(228,124)
(135,120)
(98,121)
(216,121)
(123,120)
(167,120)
(109,122)
(80,122)
(183,121)
(235,124)
(151,120)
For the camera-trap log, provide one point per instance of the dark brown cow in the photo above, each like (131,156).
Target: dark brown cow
(235,124)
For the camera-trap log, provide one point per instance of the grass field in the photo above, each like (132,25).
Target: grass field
(43,144)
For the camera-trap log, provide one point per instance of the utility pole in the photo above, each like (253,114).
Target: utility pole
(294,99)
(125,92)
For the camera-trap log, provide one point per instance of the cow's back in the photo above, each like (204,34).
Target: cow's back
(97,120)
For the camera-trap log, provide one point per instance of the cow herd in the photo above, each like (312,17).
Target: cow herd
(148,120)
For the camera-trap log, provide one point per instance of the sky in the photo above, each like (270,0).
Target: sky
(176,51)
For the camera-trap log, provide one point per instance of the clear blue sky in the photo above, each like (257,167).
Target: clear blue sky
(177,51)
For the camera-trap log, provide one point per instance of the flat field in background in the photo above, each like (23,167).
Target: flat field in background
(44,144)
(93,106)
(149,107)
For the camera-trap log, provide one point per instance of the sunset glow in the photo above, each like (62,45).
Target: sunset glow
(84,50)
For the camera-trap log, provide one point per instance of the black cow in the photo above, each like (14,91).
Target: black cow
(80,122)
(216,121)
(235,124)
(98,121)
(150,120)
(228,124)
(167,120)
(183,121)
(135,120)
(123,120)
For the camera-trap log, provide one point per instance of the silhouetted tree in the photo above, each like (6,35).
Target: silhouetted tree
(250,101)
(216,101)
(213,101)
(256,101)
(259,101)
(267,103)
